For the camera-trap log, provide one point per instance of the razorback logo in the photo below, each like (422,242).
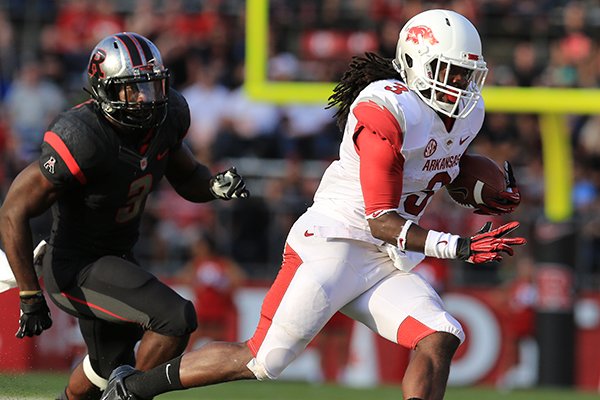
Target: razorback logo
(95,68)
(424,32)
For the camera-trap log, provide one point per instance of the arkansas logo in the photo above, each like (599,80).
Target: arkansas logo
(424,32)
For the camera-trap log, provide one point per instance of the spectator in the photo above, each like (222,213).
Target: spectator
(250,127)
(32,102)
(214,278)
(525,65)
(208,102)
(7,53)
(521,297)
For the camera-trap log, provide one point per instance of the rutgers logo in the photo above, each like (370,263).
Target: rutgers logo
(430,148)
(95,68)
(424,32)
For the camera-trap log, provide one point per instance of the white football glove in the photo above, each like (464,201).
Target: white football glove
(228,185)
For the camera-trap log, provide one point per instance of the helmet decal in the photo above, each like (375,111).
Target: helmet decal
(95,67)
(424,32)
(133,49)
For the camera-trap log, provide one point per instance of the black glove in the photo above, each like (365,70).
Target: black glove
(228,185)
(487,244)
(35,316)
(507,201)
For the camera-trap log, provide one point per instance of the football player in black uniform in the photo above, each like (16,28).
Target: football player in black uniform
(99,162)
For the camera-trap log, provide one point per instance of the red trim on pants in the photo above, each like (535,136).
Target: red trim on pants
(411,331)
(291,262)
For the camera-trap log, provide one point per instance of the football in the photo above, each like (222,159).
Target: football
(480,178)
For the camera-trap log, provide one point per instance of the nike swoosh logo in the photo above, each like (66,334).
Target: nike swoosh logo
(308,234)
(377,213)
(462,140)
(444,242)
(167,372)
(162,155)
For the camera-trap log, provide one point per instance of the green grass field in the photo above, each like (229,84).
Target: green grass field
(46,386)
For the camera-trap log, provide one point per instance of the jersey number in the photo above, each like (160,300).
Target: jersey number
(415,203)
(138,191)
(397,88)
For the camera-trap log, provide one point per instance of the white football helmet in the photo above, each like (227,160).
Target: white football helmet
(432,47)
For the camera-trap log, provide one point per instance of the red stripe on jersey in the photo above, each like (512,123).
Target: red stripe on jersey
(95,307)
(291,262)
(411,331)
(381,171)
(63,151)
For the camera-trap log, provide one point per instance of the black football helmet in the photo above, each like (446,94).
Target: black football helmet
(128,80)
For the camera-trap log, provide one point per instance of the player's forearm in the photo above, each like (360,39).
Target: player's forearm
(389,228)
(16,237)
(195,187)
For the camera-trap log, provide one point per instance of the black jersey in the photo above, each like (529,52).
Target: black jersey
(106,181)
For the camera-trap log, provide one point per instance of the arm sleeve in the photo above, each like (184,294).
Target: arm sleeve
(58,163)
(378,142)
(181,116)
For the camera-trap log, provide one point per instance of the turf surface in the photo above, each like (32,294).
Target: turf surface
(47,386)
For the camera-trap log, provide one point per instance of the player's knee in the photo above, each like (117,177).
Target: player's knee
(259,370)
(441,345)
(272,364)
(182,321)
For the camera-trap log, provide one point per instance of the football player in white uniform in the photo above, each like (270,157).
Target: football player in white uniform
(406,123)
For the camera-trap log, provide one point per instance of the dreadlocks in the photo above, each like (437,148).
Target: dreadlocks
(361,72)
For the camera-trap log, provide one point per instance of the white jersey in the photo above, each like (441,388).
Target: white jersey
(7,278)
(431,156)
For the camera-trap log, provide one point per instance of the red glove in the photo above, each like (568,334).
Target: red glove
(507,200)
(487,244)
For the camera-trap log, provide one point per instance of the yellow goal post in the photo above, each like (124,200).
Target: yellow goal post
(552,104)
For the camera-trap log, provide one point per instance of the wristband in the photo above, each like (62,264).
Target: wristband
(441,244)
(402,236)
(29,293)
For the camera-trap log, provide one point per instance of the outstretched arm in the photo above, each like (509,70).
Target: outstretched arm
(484,246)
(194,182)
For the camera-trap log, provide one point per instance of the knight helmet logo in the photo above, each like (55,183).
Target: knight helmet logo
(424,32)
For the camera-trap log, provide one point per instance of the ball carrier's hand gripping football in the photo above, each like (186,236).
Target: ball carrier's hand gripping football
(228,185)
(507,200)
(486,245)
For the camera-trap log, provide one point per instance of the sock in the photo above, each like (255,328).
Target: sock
(158,380)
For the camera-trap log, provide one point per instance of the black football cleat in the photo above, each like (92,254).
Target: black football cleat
(115,389)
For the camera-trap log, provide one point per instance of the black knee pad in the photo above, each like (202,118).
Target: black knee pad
(187,321)
(178,319)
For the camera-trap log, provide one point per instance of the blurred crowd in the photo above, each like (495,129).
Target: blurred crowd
(282,150)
